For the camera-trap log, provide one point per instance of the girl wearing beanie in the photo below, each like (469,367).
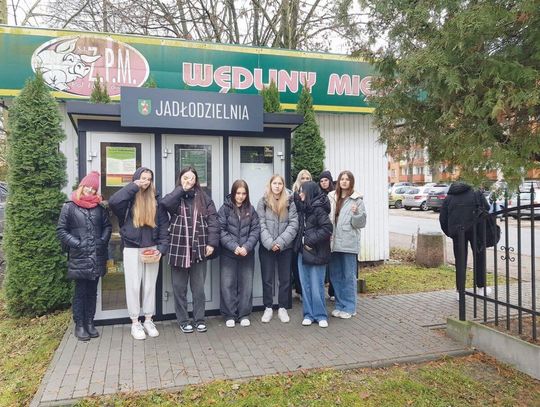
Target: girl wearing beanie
(143,227)
(84,228)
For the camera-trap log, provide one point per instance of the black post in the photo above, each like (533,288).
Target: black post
(461,270)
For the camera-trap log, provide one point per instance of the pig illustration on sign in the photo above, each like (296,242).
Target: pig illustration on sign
(61,65)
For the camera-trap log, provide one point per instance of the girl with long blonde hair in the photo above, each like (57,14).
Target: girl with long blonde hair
(143,227)
(279,224)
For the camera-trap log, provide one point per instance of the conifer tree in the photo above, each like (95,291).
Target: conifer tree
(150,82)
(308,147)
(270,96)
(99,92)
(35,282)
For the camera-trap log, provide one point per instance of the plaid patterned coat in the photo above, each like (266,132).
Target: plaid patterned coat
(191,229)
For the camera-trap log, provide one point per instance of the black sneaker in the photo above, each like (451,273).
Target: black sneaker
(186,328)
(201,327)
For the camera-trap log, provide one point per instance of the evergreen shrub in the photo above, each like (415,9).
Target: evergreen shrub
(35,282)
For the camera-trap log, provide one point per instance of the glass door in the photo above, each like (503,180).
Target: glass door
(116,160)
(255,160)
(205,155)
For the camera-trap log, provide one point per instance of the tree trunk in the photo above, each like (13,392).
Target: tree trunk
(3,12)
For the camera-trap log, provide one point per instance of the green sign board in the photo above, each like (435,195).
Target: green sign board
(72,61)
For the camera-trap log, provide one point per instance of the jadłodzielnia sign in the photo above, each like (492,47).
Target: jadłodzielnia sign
(187,109)
(71,61)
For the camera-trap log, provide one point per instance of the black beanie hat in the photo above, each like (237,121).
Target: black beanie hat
(326,174)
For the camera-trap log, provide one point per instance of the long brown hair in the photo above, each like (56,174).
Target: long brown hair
(278,206)
(240,183)
(145,205)
(199,200)
(339,199)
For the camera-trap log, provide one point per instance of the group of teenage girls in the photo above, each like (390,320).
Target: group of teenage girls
(312,233)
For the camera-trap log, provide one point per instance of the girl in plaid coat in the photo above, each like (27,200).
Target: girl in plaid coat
(194,237)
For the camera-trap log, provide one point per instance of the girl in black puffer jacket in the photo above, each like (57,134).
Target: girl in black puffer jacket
(240,230)
(84,228)
(313,247)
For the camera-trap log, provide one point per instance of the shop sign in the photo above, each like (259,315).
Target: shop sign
(177,109)
(71,62)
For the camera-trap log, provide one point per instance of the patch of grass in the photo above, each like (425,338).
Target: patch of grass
(471,381)
(409,278)
(26,349)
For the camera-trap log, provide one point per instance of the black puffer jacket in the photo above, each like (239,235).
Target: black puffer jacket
(459,209)
(238,230)
(313,239)
(86,232)
(121,203)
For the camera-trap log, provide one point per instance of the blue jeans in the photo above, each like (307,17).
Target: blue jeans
(343,272)
(312,279)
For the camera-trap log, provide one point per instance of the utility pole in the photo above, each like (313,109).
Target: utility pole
(3,12)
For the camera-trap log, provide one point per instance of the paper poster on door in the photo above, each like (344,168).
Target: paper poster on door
(121,164)
(198,159)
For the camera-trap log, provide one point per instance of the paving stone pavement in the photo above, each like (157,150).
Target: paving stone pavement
(387,329)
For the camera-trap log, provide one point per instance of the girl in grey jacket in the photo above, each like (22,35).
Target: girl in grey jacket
(348,216)
(279,225)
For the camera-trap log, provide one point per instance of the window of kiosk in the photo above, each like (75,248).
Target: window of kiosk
(118,163)
(198,157)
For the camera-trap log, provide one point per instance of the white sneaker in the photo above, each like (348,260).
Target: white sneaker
(283,315)
(332,298)
(485,291)
(137,331)
(150,328)
(245,322)
(323,323)
(267,316)
(336,313)
(229,323)
(457,295)
(307,322)
(345,315)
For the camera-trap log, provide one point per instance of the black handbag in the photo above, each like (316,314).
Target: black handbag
(493,231)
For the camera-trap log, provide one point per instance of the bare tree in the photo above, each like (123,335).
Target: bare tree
(293,24)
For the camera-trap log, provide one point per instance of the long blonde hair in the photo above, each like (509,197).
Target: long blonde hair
(145,206)
(280,205)
(298,182)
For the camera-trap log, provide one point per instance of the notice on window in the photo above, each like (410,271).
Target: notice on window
(121,164)
(198,159)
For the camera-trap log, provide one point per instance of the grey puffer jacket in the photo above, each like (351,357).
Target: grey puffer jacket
(346,236)
(275,230)
(238,229)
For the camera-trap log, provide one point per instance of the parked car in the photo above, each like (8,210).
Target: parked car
(395,185)
(395,197)
(416,197)
(524,192)
(3,198)
(436,196)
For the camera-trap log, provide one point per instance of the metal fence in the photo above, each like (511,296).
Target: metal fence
(512,258)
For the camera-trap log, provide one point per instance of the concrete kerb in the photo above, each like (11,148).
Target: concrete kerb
(378,364)
(522,355)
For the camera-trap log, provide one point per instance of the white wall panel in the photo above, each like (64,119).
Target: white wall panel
(69,147)
(351,144)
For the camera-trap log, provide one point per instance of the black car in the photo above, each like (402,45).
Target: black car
(436,196)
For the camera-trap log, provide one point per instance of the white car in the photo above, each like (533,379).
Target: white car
(525,199)
(416,197)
